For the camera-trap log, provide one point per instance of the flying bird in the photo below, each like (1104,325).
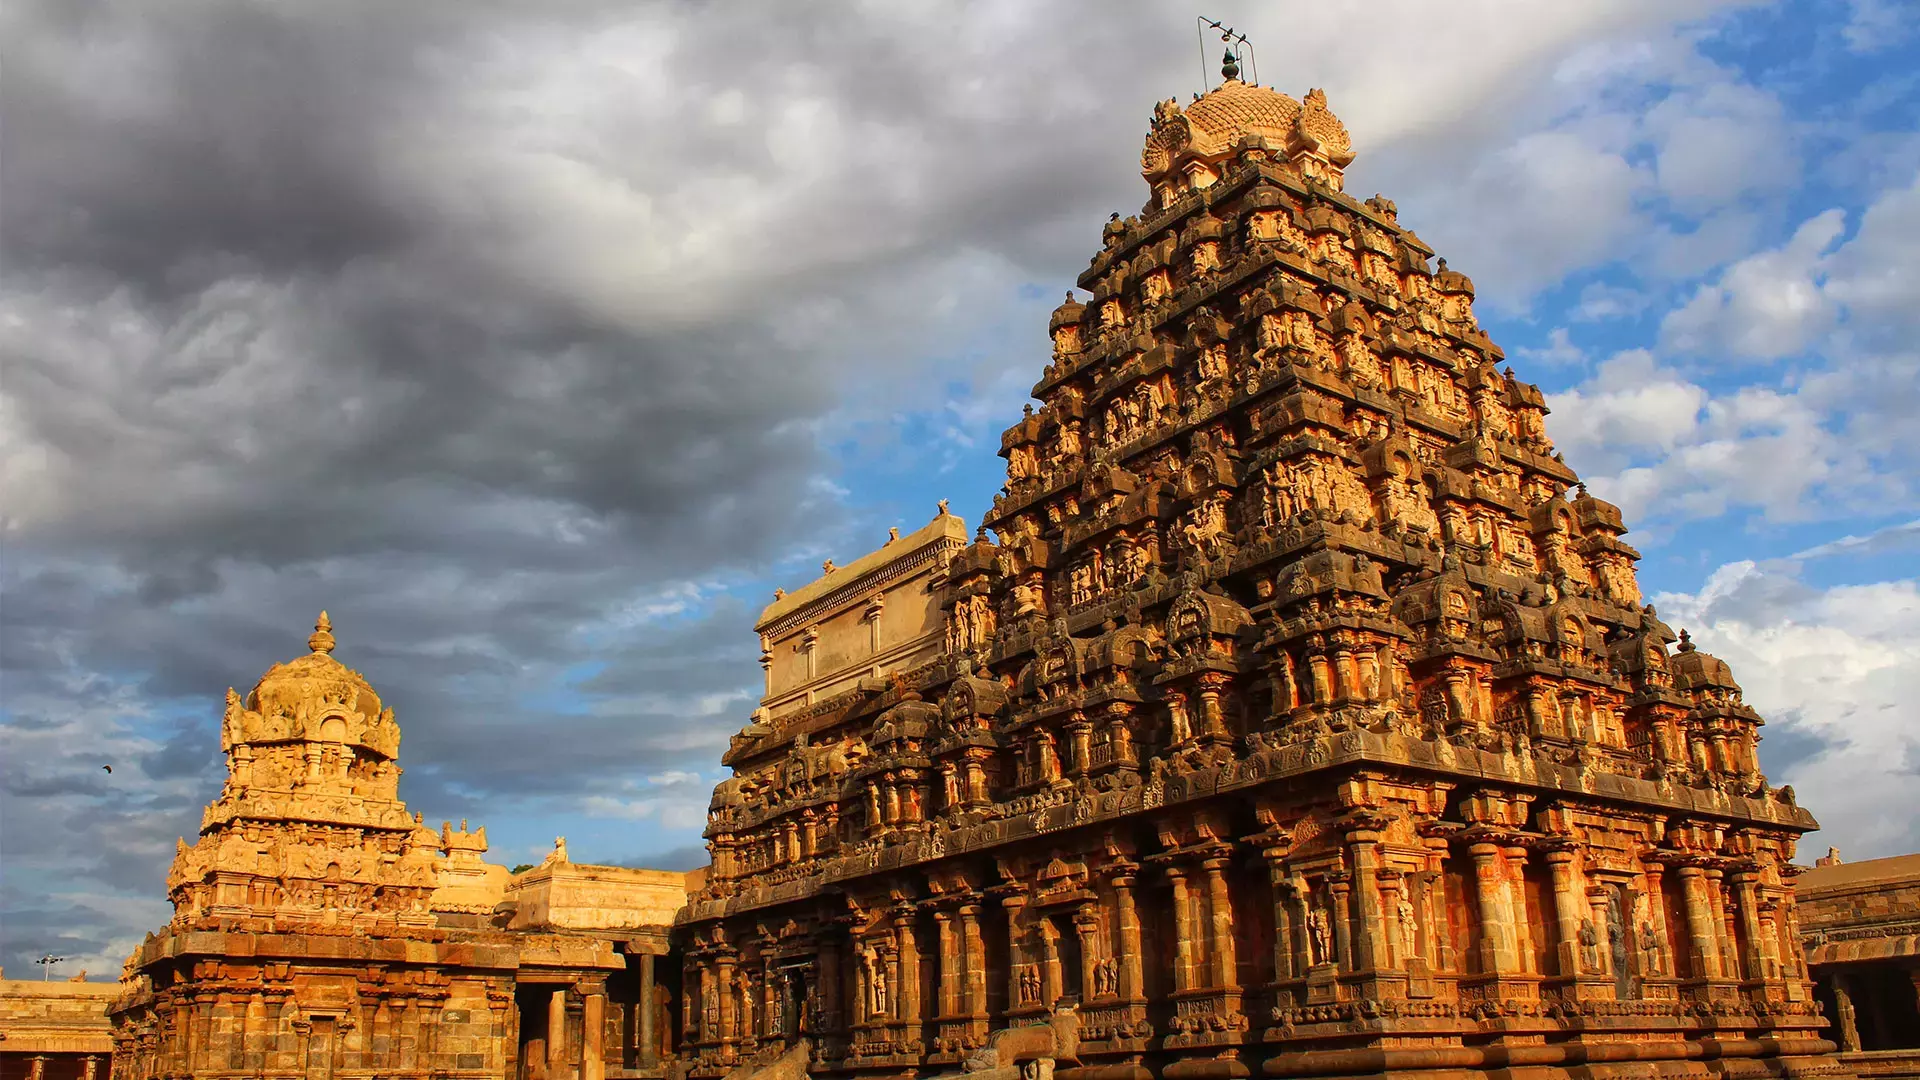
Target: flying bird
(109,768)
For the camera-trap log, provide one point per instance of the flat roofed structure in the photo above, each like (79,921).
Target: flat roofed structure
(879,613)
(1860,923)
(55,1030)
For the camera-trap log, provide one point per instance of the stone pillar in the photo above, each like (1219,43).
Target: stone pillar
(1370,950)
(1722,931)
(723,986)
(1224,974)
(1342,916)
(647,1038)
(1080,740)
(1660,962)
(1496,924)
(1182,932)
(557,1032)
(1846,1027)
(1597,908)
(950,974)
(1566,911)
(1283,930)
(37,1067)
(1705,950)
(1127,927)
(1016,956)
(1746,907)
(1516,859)
(89,1067)
(975,962)
(593,1034)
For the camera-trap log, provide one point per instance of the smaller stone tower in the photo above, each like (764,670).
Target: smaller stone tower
(310,826)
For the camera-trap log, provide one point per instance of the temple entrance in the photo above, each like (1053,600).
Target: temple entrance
(532,1003)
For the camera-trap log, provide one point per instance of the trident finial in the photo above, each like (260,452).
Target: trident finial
(322,639)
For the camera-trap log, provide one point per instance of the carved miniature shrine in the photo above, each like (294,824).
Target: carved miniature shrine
(1304,719)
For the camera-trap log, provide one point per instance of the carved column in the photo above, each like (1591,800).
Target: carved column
(1283,928)
(1342,888)
(1220,926)
(950,973)
(1566,910)
(1182,931)
(907,988)
(1718,906)
(1496,923)
(1516,858)
(1080,740)
(557,1031)
(37,1067)
(1363,846)
(1846,1027)
(1704,951)
(593,1032)
(1659,963)
(648,1040)
(976,962)
(1597,907)
(1746,907)
(1128,929)
(723,980)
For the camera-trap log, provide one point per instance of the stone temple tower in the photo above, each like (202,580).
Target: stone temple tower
(321,929)
(1305,718)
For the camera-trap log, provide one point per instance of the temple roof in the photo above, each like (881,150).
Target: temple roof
(944,526)
(1236,109)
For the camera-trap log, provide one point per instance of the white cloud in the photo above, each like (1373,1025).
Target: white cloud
(1599,302)
(1559,349)
(1891,538)
(1835,669)
(1765,306)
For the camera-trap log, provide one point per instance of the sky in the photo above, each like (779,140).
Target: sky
(538,343)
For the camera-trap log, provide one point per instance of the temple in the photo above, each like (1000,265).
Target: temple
(1302,717)
(321,928)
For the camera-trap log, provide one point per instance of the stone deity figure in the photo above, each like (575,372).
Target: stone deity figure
(1317,934)
(1650,946)
(1409,933)
(1590,945)
(879,987)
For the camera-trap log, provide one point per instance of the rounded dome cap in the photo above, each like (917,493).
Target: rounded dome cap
(312,698)
(1237,109)
(1215,127)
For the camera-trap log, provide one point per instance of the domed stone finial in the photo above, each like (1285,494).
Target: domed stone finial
(322,639)
(1229,66)
(1686,641)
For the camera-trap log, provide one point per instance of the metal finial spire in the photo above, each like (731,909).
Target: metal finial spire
(1229,66)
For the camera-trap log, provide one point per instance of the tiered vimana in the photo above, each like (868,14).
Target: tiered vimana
(1305,720)
(322,930)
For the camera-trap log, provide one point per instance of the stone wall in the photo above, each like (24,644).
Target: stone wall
(59,1029)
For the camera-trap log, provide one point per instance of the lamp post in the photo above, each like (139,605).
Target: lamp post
(46,965)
